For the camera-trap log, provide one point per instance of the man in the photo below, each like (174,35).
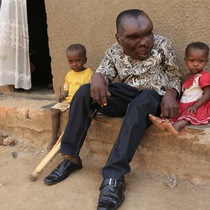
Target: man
(149,83)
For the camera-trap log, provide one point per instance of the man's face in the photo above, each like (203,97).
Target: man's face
(136,37)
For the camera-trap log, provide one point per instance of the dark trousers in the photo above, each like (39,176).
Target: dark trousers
(133,104)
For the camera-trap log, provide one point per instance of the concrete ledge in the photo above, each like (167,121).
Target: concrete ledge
(27,119)
(7,88)
(187,155)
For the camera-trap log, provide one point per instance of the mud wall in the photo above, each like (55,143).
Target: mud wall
(92,23)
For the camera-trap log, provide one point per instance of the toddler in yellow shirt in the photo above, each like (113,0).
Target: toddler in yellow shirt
(77,76)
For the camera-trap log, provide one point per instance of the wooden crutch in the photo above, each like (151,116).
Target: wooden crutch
(51,154)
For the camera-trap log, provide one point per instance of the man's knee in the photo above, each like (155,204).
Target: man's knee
(147,100)
(84,90)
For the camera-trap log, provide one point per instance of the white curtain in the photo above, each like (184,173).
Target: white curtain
(14,44)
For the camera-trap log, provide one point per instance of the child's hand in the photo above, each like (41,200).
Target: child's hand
(61,98)
(192,109)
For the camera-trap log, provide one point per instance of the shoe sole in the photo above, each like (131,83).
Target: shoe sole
(123,198)
(60,180)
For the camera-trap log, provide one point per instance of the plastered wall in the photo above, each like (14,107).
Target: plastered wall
(92,23)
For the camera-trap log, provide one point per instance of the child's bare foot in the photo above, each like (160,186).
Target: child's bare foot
(157,121)
(170,127)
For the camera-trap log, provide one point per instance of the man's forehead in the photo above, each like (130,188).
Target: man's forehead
(133,23)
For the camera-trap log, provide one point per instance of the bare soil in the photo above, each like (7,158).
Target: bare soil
(144,191)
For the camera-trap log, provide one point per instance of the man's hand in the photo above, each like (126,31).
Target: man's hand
(169,106)
(99,89)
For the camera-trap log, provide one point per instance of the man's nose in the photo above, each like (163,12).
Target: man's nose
(142,42)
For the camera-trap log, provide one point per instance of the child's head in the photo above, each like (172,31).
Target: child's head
(196,56)
(76,56)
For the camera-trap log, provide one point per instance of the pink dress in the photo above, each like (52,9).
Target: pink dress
(192,91)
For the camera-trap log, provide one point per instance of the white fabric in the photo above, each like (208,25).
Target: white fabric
(14,45)
(193,93)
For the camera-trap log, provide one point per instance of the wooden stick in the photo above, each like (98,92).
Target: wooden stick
(51,154)
(60,90)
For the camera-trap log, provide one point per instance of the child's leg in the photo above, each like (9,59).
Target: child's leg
(176,127)
(157,121)
(56,111)
(179,125)
(55,120)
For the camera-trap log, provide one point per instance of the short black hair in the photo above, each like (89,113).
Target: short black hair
(79,47)
(130,12)
(198,45)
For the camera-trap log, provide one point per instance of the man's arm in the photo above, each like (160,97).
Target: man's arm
(169,104)
(100,80)
(99,89)
(107,65)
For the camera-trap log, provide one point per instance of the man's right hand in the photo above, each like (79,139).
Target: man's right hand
(99,89)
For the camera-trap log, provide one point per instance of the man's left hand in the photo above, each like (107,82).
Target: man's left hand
(169,105)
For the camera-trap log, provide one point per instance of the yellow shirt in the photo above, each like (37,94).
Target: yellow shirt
(74,80)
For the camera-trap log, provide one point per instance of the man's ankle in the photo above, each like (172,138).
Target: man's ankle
(72,158)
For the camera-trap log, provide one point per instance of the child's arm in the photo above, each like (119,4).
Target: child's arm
(63,96)
(199,102)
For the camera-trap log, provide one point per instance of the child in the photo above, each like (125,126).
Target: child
(194,105)
(77,76)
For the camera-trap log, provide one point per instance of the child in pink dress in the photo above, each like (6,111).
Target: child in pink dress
(194,104)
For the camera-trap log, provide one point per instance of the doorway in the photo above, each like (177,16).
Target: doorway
(40,60)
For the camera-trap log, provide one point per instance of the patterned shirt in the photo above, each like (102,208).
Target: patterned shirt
(159,72)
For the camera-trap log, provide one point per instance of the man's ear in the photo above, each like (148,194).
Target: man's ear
(86,60)
(117,37)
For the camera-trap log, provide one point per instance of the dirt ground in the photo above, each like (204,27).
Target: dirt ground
(144,191)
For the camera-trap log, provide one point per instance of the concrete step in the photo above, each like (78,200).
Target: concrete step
(26,117)
(187,155)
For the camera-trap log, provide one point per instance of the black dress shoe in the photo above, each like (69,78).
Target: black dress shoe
(64,169)
(112,194)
